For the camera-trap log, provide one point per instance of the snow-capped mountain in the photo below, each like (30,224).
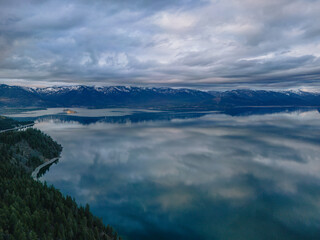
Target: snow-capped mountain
(111,90)
(144,97)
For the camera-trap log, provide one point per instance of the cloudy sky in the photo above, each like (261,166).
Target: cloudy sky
(178,43)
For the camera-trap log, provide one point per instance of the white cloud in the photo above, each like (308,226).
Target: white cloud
(175,21)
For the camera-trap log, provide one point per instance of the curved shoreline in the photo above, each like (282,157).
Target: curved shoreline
(17,128)
(35,172)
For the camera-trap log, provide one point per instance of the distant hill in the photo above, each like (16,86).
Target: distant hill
(247,97)
(155,98)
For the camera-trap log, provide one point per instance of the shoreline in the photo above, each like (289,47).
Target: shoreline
(35,172)
(17,128)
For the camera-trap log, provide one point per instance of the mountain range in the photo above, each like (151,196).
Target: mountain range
(152,98)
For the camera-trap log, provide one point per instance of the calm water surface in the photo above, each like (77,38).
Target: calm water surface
(194,176)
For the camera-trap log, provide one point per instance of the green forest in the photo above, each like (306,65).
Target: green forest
(31,210)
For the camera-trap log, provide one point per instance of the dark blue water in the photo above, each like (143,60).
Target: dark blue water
(194,176)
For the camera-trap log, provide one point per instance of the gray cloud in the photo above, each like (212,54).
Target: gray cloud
(270,44)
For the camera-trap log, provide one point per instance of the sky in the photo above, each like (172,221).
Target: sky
(267,44)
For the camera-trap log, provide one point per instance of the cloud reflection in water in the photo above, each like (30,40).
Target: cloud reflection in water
(213,177)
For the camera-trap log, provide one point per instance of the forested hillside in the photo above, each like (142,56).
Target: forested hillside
(30,210)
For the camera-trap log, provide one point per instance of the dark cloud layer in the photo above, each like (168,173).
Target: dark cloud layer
(248,43)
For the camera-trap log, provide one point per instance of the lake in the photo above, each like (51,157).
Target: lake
(194,175)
